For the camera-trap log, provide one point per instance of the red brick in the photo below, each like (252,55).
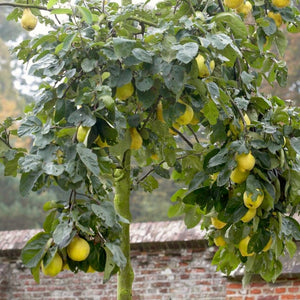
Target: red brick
(256,291)
(293,289)
(234,286)
(234,298)
(290,297)
(274,297)
(280,290)
(249,298)
(296,282)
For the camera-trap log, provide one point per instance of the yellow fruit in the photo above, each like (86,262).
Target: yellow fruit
(187,116)
(250,203)
(90,270)
(217,223)
(66,267)
(243,246)
(219,241)
(214,176)
(245,8)
(202,67)
(249,215)
(28,20)
(54,267)
(245,162)
(136,139)
(154,156)
(78,249)
(159,112)
(247,120)
(281,3)
(276,17)
(268,246)
(100,143)
(233,3)
(125,91)
(238,176)
(82,132)
(195,120)
(176,126)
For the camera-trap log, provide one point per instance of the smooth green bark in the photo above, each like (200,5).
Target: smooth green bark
(121,202)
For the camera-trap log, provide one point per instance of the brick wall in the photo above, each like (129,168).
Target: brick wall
(168,266)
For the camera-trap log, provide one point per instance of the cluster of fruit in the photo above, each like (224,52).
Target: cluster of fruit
(245,8)
(245,163)
(78,250)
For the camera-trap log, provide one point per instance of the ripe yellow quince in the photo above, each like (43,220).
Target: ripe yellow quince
(187,116)
(276,17)
(219,241)
(100,143)
(28,20)
(233,3)
(243,246)
(249,215)
(245,161)
(281,3)
(249,202)
(125,91)
(202,67)
(78,249)
(217,223)
(82,132)
(268,246)
(245,8)
(136,139)
(235,130)
(159,112)
(54,267)
(238,176)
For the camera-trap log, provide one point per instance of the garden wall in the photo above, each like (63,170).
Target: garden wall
(170,263)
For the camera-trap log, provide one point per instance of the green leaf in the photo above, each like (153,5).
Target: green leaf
(162,172)
(290,227)
(174,78)
(142,55)
(122,46)
(50,221)
(118,256)
(30,126)
(86,14)
(35,249)
(192,216)
(63,234)
(211,112)
(62,11)
(281,41)
(176,210)
(82,116)
(213,89)
(219,159)
(27,182)
(149,184)
(53,169)
(109,265)
(199,196)
(235,23)
(106,212)
(88,65)
(295,143)
(291,247)
(88,158)
(67,43)
(186,52)
(51,3)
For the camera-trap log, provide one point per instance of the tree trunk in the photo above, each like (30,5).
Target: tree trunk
(121,202)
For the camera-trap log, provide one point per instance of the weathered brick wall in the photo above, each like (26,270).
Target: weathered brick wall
(169,261)
(159,274)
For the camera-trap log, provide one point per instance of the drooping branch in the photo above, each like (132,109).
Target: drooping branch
(25,5)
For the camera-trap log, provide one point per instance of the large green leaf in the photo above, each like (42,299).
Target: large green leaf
(88,158)
(106,212)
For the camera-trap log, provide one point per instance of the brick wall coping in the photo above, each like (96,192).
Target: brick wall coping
(143,235)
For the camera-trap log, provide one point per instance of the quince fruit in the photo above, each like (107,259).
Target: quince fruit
(125,91)
(78,249)
(245,161)
(187,116)
(100,143)
(249,202)
(245,8)
(54,267)
(249,215)
(281,3)
(159,112)
(217,223)
(238,176)
(82,132)
(233,3)
(136,139)
(243,246)
(202,67)
(28,20)
(276,17)
(219,241)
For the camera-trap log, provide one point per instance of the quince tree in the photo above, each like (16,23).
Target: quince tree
(131,76)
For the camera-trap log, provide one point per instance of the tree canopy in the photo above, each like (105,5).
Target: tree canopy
(129,91)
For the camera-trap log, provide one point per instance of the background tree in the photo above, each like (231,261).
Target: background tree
(128,92)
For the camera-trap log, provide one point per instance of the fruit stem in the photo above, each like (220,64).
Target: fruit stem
(121,201)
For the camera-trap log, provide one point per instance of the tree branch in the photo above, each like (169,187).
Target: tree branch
(21,5)
(182,136)
(193,132)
